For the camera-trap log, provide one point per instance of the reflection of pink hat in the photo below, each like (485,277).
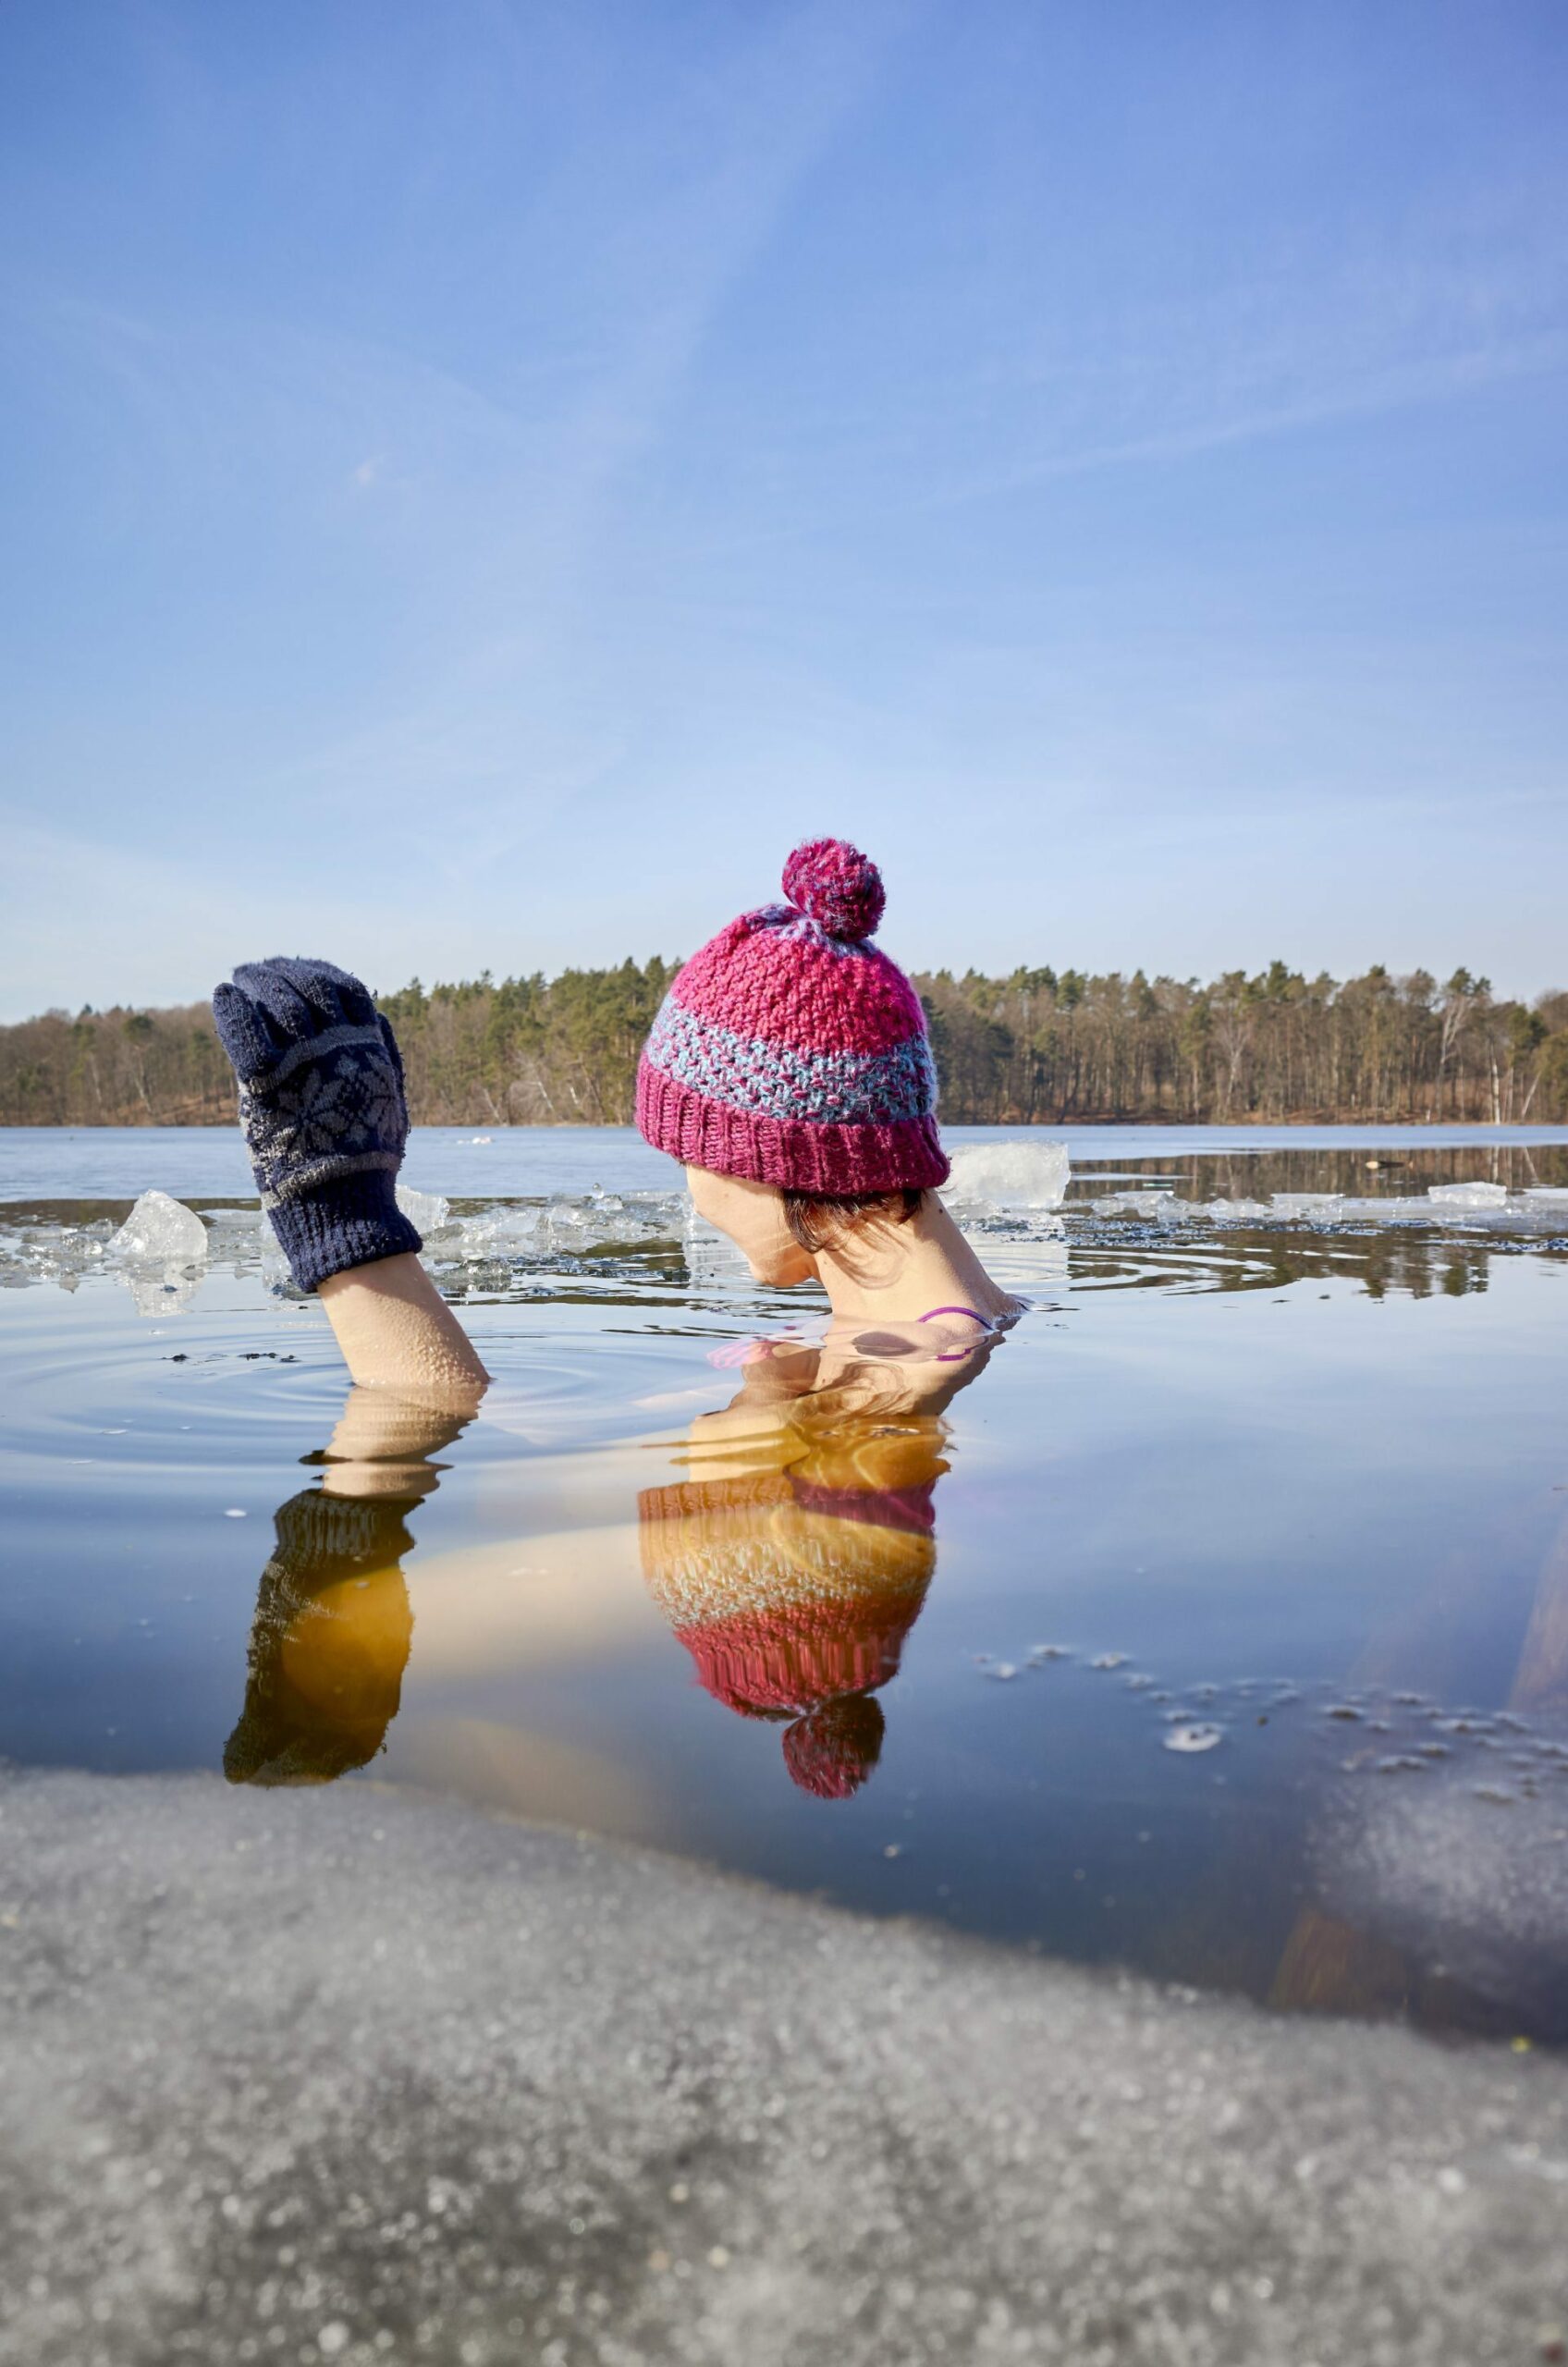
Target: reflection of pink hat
(763,1663)
(794,1602)
(791,1051)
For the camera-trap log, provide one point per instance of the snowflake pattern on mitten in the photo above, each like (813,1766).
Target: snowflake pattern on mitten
(323,1110)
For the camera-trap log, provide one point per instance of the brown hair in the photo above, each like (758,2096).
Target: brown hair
(816,1219)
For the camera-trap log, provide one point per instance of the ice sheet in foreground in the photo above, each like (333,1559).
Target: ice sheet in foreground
(1009,1175)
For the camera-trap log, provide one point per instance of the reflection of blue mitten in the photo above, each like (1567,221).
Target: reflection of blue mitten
(321,1101)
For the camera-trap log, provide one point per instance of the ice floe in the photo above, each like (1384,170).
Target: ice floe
(1469,1195)
(160,1229)
(1009,1175)
(425,1210)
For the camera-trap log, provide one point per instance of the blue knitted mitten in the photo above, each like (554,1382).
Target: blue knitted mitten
(321,1103)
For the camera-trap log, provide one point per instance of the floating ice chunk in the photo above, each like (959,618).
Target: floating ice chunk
(1009,1176)
(602,1220)
(1192,1738)
(160,1230)
(1307,1203)
(162,1250)
(1163,1205)
(712,1259)
(425,1210)
(494,1233)
(1469,1195)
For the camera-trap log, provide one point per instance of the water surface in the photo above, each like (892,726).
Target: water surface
(1217,1623)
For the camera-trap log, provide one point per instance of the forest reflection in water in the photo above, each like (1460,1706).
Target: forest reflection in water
(1215,1623)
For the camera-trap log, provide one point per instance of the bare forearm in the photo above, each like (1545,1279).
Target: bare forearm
(397,1331)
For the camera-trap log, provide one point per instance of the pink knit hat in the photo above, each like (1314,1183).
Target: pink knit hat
(789,1051)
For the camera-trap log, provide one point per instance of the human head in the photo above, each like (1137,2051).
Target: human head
(789,1068)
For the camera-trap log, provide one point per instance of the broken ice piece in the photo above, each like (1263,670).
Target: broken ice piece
(160,1229)
(1192,1738)
(1469,1195)
(427,1211)
(1009,1176)
(1142,1204)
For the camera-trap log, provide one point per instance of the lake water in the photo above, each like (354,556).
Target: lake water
(1216,1624)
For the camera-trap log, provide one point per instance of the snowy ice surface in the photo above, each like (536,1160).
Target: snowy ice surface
(1009,1175)
(160,1229)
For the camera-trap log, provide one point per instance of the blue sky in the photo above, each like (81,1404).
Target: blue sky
(484,480)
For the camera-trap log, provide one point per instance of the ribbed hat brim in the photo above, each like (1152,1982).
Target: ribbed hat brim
(794,1154)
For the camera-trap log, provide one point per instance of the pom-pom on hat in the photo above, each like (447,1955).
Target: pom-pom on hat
(791,1050)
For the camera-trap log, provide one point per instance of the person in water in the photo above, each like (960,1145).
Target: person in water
(789,1073)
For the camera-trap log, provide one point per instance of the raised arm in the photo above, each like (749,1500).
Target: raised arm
(326,1121)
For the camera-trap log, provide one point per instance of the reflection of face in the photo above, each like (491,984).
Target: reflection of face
(752,1215)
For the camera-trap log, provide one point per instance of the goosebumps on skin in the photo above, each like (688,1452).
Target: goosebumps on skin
(792,1051)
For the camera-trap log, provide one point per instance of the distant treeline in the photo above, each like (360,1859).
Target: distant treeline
(1041,1046)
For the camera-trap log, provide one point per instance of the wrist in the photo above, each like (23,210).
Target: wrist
(341,1222)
